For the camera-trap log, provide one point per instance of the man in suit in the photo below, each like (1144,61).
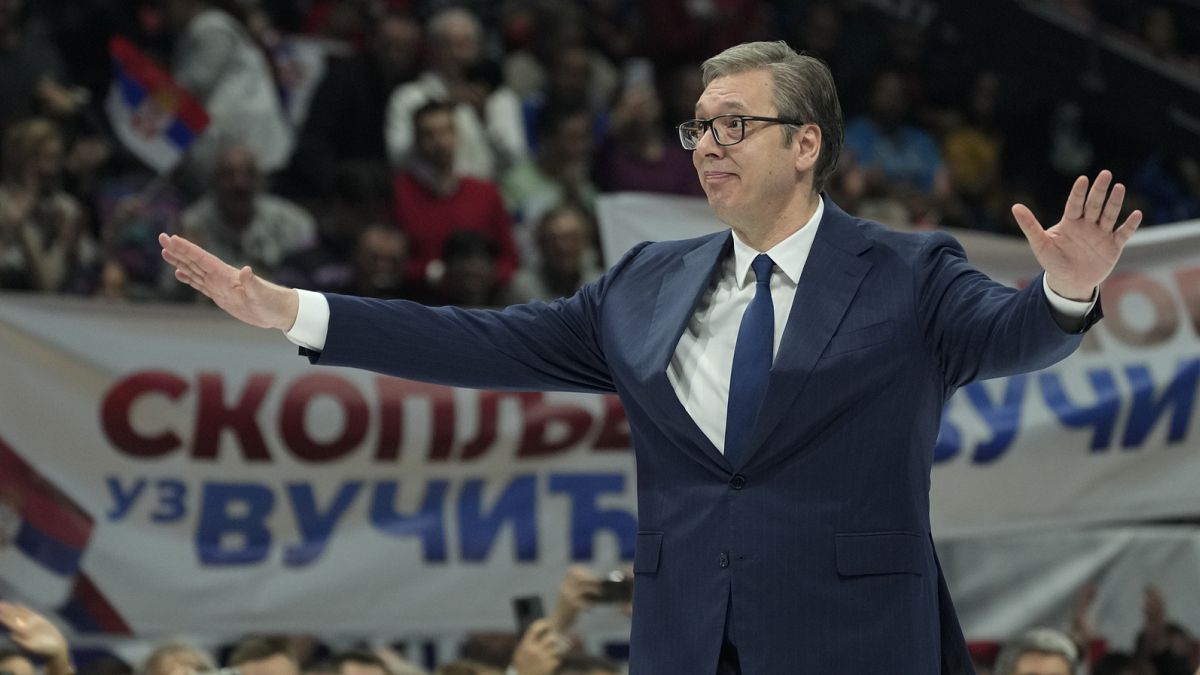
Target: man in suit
(783,383)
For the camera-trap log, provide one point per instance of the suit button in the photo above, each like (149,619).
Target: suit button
(737,482)
(723,560)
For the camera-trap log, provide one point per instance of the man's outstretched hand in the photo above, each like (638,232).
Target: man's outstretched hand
(243,294)
(1081,250)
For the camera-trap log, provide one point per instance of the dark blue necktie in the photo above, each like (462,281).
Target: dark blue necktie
(751,362)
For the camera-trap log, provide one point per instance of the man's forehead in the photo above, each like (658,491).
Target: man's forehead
(750,91)
(722,104)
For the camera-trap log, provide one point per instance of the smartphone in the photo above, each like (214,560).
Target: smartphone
(616,587)
(526,610)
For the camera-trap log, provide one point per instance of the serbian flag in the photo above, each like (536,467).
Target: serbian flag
(43,534)
(154,117)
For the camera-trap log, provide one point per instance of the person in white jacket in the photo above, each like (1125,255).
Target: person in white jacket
(217,61)
(487,114)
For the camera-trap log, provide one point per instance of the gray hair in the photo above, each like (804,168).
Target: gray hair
(1037,640)
(804,90)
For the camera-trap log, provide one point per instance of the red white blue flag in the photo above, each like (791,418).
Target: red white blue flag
(151,114)
(43,534)
(43,537)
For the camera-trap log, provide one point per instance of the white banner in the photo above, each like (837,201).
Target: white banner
(196,460)
(166,469)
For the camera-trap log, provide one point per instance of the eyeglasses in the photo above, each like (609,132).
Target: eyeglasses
(727,129)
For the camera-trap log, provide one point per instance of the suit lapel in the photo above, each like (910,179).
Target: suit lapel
(680,291)
(827,286)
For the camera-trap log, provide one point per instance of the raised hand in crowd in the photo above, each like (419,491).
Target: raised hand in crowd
(1165,645)
(58,99)
(241,293)
(539,652)
(35,634)
(1082,629)
(575,595)
(1081,250)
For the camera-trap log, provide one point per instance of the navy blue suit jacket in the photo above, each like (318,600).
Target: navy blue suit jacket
(818,541)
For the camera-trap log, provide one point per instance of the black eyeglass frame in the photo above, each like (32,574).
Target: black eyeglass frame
(708,126)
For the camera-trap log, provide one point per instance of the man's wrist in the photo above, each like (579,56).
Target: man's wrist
(1066,292)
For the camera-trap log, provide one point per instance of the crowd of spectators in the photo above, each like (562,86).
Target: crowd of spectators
(552,646)
(432,140)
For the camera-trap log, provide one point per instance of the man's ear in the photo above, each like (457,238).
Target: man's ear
(806,144)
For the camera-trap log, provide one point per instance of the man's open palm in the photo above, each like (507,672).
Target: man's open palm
(1081,250)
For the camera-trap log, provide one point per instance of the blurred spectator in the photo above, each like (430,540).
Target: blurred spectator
(615,27)
(132,210)
(220,64)
(639,155)
(685,30)
(576,77)
(360,662)
(468,276)
(396,663)
(899,160)
(81,29)
(490,649)
(432,201)
(1041,651)
(566,259)
(487,114)
(1170,183)
(379,265)
(560,172)
(587,665)
(973,151)
(1160,32)
(264,655)
(539,651)
(360,198)
(176,659)
(34,634)
(346,117)
(30,66)
(1161,642)
(246,225)
(44,244)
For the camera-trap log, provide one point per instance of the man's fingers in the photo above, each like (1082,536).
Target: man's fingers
(1096,197)
(185,250)
(1028,223)
(1127,228)
(1112,208)
(196,276)
(1075,201)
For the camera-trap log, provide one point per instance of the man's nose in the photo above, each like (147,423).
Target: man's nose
(707,144)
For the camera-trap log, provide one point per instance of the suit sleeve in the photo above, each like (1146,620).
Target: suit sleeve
(534,346)
(977,328)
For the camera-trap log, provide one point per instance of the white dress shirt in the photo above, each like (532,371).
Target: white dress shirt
(699,369)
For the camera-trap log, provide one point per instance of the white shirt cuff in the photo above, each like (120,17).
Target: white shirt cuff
(312,321)
(1069,308)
